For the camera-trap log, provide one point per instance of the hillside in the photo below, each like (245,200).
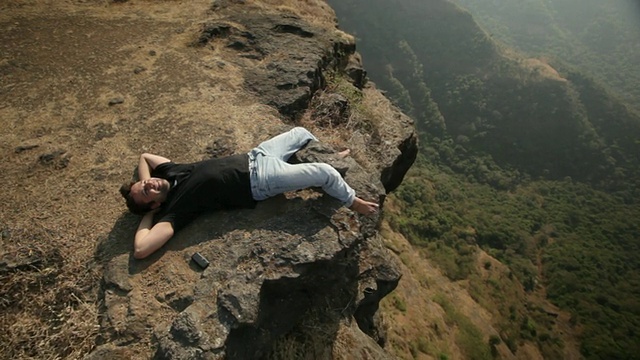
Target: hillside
(522,112)
(600,38)
(529,161)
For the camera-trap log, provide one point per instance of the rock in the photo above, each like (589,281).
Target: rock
(395,164)
(213,30)
(115,316)
(59,159)
(104,131)
(330,110)
(351,343)
(289,82)
(355,71)
(185,329)
(222,146)
(24,261)
(22,148)
(318,152)
(383,274)
(110,352)
(239,299)
(267,281)
(116,101)
(178,299)
(116,274)
(193,335)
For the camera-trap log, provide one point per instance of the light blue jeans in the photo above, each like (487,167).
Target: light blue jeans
(272,175)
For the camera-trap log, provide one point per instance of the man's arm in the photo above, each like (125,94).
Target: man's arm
(149,237)
(149,162)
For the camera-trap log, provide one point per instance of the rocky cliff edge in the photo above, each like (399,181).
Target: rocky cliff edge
(298,276)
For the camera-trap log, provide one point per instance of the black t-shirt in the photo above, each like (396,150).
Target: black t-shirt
(214,184)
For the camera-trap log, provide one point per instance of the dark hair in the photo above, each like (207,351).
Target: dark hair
(134,207)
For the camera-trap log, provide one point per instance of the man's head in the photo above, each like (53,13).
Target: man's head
(146,195)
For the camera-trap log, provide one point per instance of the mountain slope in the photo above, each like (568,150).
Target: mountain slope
(599,38)
(523,112)
(530,161)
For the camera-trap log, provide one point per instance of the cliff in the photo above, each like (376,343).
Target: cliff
(95,84)
(513,147)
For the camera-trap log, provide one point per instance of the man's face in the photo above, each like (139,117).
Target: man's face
(151,191)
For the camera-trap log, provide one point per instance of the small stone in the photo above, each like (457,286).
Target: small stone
(58,159)
(222,146)
(116,101)
(22,148)
(139,69)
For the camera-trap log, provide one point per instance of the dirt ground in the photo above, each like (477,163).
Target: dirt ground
(85,88)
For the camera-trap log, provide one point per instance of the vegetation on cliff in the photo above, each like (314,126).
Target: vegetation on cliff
(532,162)
(599,37)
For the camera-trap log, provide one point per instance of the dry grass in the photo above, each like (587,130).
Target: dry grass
(316,12)
(360,125)
(53,213)
(48,304)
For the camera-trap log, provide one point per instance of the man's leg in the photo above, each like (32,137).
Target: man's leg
(278,177)
(286,144)
(275,176)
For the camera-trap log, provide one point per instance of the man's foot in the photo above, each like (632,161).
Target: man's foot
(343,154)
(364,207)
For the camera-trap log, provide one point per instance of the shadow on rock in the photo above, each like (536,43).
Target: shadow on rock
(119,240)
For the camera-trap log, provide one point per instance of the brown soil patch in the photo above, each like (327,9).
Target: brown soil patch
(85,87)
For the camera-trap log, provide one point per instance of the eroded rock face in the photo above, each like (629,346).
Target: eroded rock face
(292,55)
(267,275)
(298,269)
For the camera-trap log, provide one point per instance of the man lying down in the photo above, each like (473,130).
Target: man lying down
(178,193)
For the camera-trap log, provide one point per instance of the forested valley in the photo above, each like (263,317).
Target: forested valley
(599,37)
(524,155)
